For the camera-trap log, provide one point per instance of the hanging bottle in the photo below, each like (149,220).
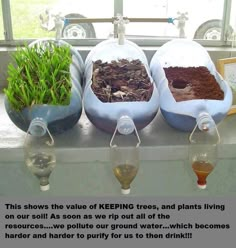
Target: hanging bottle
(39,152)
(124,152)
(203,147)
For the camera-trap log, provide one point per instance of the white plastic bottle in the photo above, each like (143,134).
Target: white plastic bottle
(203,148)
(39,152)
(124,152)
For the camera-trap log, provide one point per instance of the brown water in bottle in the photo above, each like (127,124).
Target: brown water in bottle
(125,174)
(202,169)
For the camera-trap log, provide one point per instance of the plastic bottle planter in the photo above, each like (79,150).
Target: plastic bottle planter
(182,114)
(59,118)
(104,115)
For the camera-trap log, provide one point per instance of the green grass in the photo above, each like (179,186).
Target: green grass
(39,75)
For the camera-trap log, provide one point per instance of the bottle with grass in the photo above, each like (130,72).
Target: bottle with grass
(44,81)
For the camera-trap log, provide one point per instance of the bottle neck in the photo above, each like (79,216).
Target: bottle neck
(209,132)
(125,126)
(205,122)
(38,127)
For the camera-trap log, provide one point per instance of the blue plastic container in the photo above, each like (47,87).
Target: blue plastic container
(58,118)
(104,115)
(182,115)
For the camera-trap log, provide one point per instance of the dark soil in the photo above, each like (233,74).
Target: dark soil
(121,81)
(188,83)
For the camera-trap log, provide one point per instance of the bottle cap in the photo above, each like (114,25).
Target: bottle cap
(125,125)
(45,187)
(201,186)
(125,191)
(205,121)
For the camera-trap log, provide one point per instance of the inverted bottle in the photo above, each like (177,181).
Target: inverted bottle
(39,152)
(203,148)
(124,153)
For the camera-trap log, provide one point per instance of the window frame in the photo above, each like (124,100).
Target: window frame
(118,8)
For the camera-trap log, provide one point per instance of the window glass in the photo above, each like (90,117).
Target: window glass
(1,23)
(192,19)
(232,28)
(42,18)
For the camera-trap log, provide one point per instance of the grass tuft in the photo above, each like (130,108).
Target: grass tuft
(39,75)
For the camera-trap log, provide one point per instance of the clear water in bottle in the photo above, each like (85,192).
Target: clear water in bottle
(41,164)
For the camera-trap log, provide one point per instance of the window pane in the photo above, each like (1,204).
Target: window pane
(232,28)
(37,18)
(202,18)
(1,23)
